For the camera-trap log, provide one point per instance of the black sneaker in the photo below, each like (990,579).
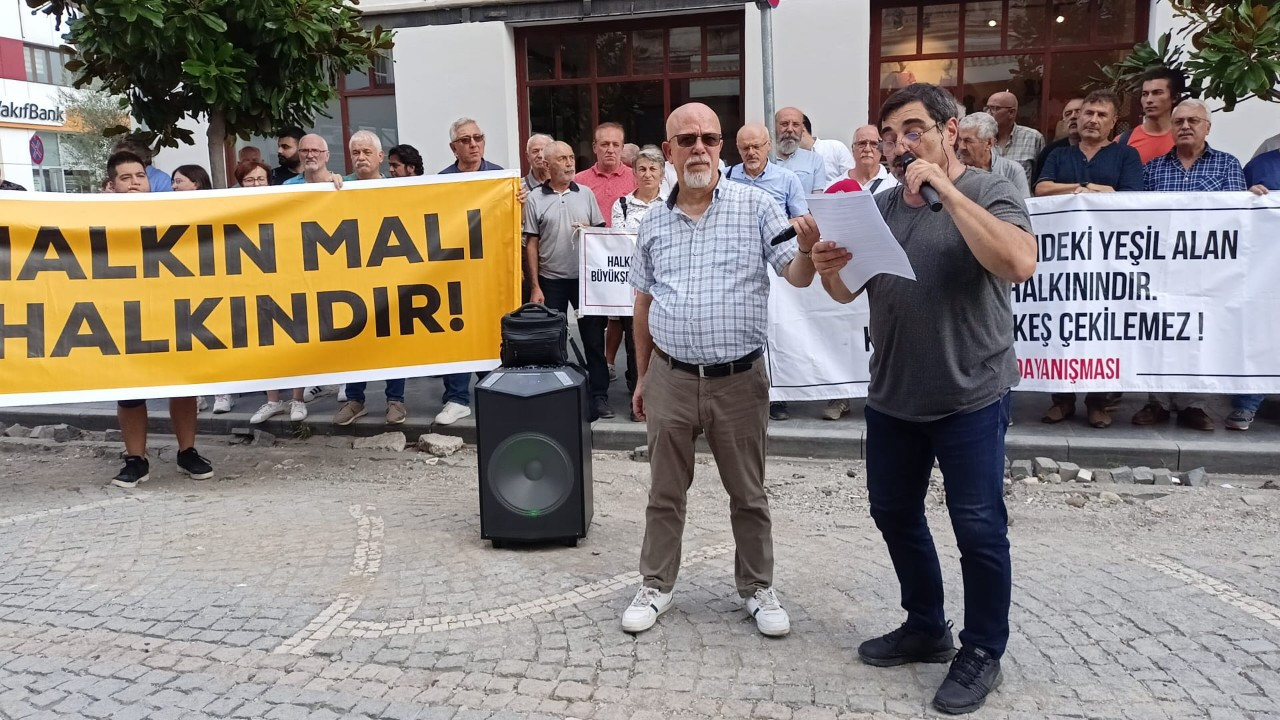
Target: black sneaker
(602,408)
(136,469)
(778,411)
(905,645)
(191,463)
(973,675)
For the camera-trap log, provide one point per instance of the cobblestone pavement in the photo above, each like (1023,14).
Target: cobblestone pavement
(311,582)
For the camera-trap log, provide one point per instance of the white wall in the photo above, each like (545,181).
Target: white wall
(452,71)
(16,21)
(1240,131)
(820,63)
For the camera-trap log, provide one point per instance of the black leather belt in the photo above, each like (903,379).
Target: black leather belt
(740,365)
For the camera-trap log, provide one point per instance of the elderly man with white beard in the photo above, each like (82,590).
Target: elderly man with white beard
(701,274)
(806,164)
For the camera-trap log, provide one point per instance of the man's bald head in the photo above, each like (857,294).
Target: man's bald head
(314,151)
(753,148)
(1003,106)
(695,112)
(789,125)
(560,163)
(695,164)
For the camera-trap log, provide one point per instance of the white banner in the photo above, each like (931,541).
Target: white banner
(604,257)
(1152,291)
(818,348)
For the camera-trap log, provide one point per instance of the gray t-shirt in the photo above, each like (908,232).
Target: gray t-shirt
(943,343)
(555,217)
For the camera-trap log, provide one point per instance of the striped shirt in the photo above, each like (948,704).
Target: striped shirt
(710,279)
(1023,147)
(1213,171)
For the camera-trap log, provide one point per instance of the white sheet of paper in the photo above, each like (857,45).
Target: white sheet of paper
(852,221)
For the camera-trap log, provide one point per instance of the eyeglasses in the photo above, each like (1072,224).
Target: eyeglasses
(748,148)
(912,137)
(867,143)
(310,151)
(993,108)
(688,140)
(470,139)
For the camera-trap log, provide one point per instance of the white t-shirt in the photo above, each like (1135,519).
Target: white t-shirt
(837,157)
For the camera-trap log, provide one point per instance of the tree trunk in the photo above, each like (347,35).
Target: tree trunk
(218,149)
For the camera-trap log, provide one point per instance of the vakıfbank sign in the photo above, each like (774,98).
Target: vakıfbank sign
(31,112)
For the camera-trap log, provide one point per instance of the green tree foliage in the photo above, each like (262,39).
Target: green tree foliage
(246,66)
(1230,52)
(96,116)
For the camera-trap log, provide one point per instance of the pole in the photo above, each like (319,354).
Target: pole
(766,59)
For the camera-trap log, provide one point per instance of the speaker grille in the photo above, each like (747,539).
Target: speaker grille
(530,474)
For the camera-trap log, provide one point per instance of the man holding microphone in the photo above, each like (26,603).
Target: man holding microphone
(940,377)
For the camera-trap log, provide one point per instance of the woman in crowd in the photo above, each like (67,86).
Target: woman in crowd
(194,177)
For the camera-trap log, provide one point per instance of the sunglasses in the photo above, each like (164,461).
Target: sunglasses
(688,140)
(470,140)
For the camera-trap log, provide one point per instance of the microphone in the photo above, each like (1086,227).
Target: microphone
(926,190)
(784,236)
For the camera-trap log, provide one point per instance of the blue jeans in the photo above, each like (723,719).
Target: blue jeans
(1246,402)
(970,452)
(457,389)
(395,391)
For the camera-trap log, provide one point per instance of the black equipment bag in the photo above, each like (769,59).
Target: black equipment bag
(534,334)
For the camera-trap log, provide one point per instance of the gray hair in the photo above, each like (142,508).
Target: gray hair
(527,143)
(983,123)
(1192,102)
(458,125)
(652,154)
(365,136)
(961,111)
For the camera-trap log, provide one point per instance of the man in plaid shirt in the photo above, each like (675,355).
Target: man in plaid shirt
(1191,166)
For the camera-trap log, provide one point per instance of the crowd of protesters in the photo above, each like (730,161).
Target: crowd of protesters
(1168,150)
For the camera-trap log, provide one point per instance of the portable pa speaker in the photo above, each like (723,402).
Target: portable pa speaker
(534,443)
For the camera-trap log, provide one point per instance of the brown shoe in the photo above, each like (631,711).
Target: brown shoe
(1195,418)
(1151,414)
(1058,412)
(835,410)
(396,414)
(1098,416)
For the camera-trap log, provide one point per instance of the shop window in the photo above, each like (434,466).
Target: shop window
(1043,51)
(571,79)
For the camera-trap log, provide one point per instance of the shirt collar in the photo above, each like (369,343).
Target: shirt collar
(596,170)
(548,190)
(1208,153)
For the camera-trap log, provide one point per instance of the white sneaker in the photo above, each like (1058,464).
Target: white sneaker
(297,410)
(201,403)
(318,391)
(269,409)
(771,619)
(222,404)
(452,413)
(645,608)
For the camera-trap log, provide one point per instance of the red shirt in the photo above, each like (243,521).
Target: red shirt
(1150,146)
(608,187)
(846,185)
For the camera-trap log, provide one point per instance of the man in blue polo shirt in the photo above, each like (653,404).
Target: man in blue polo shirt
(756,170)
(783,185)
(1095,164)
(467,143)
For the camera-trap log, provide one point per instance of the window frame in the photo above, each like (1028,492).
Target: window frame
(1047,49)
(704,21)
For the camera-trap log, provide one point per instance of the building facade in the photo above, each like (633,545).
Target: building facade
(34,119)
(563,66)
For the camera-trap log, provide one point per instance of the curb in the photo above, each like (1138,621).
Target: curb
(846,441)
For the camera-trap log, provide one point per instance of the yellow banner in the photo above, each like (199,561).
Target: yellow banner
(110,297)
